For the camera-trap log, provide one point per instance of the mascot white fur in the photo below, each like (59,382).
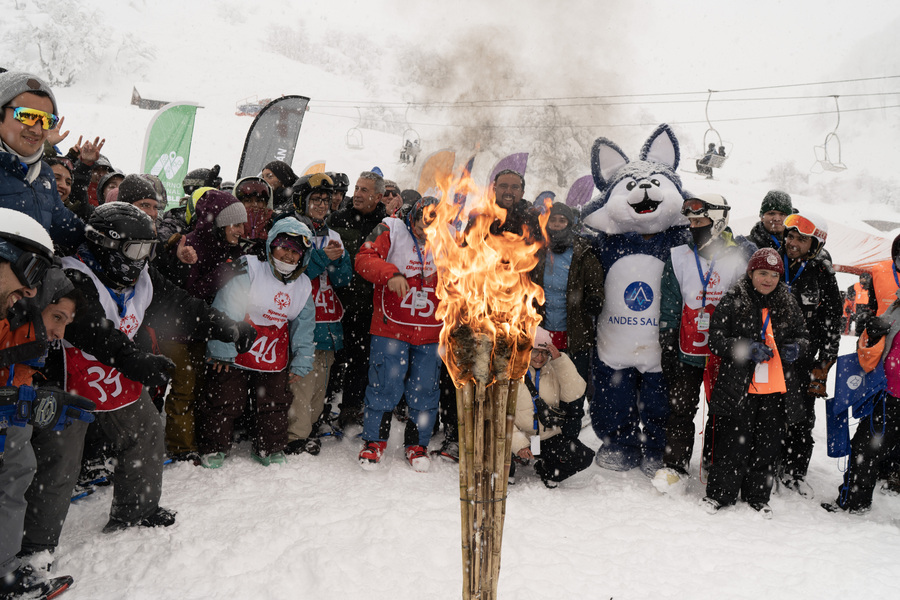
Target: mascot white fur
(634,222)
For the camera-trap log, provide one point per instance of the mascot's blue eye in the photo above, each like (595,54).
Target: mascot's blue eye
(655,182)
(630,185)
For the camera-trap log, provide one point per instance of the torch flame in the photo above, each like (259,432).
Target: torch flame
(486,294)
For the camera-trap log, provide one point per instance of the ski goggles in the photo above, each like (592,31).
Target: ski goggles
(804,226)
(253,188)
(297,243)
(30,268)
(137,249)
(30,116)
(695,207)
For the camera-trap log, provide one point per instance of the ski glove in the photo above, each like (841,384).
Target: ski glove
(790,352)
(153,370)
(759,352)
(877,328)
(548,415)
(244,336)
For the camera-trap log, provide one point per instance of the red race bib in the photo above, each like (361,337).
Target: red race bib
(103,384)
(270,350)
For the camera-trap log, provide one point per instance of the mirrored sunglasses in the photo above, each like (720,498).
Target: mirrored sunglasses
(30,116)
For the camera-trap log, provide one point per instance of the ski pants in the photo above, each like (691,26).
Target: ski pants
(797,448)
(747,447)
(15,476)
(684,384)
(629,411)
(397,368)
(58,455)
(356,348)
(874,439)
(309,397)
(181,403)
(138,437)
(226,398)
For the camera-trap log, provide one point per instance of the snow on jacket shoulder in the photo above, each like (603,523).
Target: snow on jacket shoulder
(560,382)
(40,201)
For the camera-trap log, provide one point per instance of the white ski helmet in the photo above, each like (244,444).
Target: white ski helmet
(26,245)
(808,224)
(712,206)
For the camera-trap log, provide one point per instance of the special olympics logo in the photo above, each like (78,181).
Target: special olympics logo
(129,325)
(854,381)
(638,296)
(282,300)
(714,279)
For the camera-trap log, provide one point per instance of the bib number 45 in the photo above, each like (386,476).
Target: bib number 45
(418,302)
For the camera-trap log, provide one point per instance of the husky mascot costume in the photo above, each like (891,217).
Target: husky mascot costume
(635,221)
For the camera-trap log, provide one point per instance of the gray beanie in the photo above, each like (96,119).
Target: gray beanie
(776,200)
(13,83)
(233,214)
(560,208)
(135,188)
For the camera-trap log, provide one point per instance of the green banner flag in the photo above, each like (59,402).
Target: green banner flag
(167,146)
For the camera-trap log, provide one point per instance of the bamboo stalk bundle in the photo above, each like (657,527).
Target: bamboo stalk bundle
(485,434)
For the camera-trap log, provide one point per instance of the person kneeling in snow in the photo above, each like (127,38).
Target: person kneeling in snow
(546,408)
(274,296)
(405,333)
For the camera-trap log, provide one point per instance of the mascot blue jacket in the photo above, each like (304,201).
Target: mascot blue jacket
(633,223)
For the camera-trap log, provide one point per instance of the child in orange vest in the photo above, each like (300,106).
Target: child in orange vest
(758,331)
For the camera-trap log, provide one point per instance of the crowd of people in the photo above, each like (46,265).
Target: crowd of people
(281,309)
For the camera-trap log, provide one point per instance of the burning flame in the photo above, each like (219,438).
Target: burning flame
(486,295)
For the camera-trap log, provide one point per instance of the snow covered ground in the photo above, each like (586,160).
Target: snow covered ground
(321,527)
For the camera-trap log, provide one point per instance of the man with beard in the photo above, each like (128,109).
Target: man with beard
(811,280)
(26,251)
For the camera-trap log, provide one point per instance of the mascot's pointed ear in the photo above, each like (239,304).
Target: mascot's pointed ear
(606,159)
(662,147)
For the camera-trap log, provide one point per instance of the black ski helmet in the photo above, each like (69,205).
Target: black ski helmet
(306,185)
(201,178)
(121,238)
(340,180)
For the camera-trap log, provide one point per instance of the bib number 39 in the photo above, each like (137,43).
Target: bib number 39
(103,381)
(418,303)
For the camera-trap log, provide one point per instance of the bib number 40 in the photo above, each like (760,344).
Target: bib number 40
(418,302)
(263,350)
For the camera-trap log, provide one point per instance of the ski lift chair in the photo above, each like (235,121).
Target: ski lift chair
(354,137)
(828,155)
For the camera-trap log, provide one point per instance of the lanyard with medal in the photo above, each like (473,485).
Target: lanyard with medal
(534,389)
(703,317)
(420,296)
(790,280)
(775,239)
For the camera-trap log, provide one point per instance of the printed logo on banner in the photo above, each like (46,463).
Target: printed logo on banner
(854,381)
(170,162)
(638,296)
